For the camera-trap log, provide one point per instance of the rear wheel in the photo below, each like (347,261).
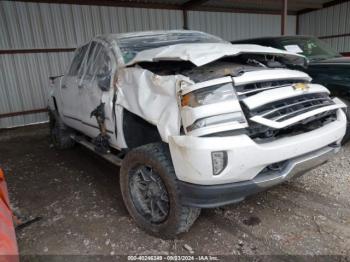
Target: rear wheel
(150,192)
(60,134)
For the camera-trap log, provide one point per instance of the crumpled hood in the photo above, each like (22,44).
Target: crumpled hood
(204,53)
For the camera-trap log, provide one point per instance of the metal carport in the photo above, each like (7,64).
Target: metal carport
(38,36)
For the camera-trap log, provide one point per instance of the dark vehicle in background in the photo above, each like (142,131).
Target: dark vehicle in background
(326,66)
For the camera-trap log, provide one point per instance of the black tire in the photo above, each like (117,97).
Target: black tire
(155,157)
(346,138)
(60,134)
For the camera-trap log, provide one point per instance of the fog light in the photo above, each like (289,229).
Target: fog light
(219,160)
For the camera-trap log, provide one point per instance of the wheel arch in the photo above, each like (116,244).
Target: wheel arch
(137,131)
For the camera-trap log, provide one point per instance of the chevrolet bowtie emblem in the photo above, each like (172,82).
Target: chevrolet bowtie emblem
(301,87)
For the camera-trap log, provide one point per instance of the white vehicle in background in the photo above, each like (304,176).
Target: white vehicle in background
(194,121)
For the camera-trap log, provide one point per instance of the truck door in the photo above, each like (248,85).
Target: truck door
(71,91)
(96,88)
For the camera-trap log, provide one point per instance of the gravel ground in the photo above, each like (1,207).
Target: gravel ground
(78,197)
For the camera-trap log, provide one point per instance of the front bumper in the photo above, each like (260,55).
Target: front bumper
(192,160)
(208,196)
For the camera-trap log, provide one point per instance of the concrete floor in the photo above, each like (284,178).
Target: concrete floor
(78,197)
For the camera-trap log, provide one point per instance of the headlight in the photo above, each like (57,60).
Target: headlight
(211,109)
(209,95)
(237,117)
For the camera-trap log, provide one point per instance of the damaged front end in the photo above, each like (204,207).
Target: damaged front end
(218,89)
(197,84)
(264,104)
(250,129)
(243,114)
(230,112)
(249,94)
(184,81)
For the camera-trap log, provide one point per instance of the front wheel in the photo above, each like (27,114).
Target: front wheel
(150,192)
(346,138)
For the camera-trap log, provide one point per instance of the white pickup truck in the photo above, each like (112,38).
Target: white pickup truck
(194,121)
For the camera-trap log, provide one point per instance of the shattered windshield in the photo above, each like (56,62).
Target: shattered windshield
(131,45)
(312,48)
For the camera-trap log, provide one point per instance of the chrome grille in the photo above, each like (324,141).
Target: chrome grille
(253,88)
(285,109)
(263,133)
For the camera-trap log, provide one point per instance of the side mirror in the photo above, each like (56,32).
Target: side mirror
(104,81)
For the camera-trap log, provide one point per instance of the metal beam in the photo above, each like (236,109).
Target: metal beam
(284,15)
(325,5)
(301,4)
(241,10)
(334,2)
(20,113)
(193,4)
(185,19)
(109,3)
(118,3)
(334,36)
(273,4)
(297,26)
(190,4)
(306,10)
(35,50)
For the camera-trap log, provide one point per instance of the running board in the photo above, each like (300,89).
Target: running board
(109,157)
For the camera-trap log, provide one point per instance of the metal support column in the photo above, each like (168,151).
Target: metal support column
(284,17)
